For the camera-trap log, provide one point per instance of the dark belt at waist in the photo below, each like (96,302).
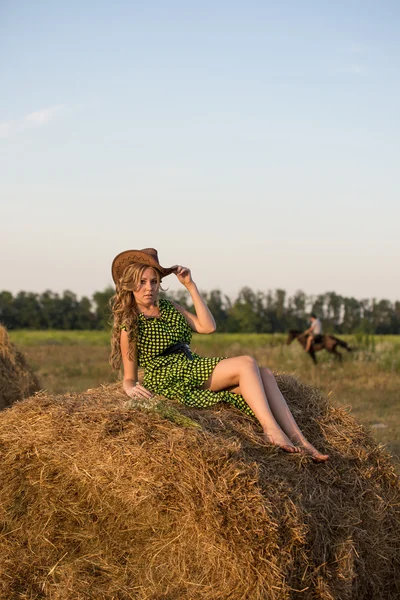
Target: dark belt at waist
(177,349)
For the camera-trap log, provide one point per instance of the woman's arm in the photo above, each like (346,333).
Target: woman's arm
(130,384)
(202,321)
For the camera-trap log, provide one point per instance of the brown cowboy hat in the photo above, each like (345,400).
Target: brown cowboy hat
(147,256)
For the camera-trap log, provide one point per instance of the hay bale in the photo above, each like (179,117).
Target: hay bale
(102,501)
(17,380)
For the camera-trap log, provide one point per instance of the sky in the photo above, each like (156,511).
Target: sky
(256,143)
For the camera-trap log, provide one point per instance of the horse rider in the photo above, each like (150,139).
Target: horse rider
(313,332)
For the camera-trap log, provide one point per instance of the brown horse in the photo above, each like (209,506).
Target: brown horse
(321,342)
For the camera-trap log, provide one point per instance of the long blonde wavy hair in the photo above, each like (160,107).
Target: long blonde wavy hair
(125,312)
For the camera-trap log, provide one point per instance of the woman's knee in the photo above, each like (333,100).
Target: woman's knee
(248,362)
(267,374)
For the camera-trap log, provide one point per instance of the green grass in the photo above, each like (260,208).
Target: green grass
(368,380)
(27,337)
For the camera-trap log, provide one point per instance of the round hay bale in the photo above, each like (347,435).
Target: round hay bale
(101,501)
(17,380)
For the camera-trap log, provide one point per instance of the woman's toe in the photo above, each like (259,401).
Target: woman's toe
(318,457)
(288,448)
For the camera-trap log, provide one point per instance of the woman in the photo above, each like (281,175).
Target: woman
(155,333)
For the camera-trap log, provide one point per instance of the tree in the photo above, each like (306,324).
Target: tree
(102,309)
(382,316)
(69,305)
(85,318)
(251,312)
(333,311)
(28,310)
(219,306)
(242,314)
(51,310)
(352,315)
(8,316)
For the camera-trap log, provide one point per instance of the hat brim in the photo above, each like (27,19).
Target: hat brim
(127,257)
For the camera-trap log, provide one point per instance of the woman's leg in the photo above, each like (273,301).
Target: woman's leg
(284,417)
(242,375)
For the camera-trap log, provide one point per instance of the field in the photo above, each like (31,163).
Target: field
(367,381)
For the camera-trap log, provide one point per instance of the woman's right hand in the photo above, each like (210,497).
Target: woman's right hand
(136,391)
(184,275)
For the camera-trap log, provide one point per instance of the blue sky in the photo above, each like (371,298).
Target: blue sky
(255,142)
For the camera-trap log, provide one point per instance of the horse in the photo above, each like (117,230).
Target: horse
(321,342)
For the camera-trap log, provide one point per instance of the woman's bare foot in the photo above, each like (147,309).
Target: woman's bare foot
(282,442)
(314,453)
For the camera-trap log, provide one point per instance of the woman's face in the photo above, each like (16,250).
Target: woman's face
(146,293)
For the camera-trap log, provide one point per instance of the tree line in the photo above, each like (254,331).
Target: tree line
(250,312)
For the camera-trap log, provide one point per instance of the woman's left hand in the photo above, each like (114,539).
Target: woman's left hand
(184,275)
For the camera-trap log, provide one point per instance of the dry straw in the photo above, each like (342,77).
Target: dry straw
(100,501)
(17,380)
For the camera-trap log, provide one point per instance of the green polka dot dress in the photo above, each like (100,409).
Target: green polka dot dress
(175,376)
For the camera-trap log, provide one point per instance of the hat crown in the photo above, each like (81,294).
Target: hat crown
(145,256)
(151,251)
